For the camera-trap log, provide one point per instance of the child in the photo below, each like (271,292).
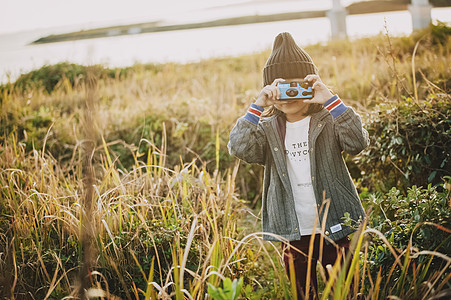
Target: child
(300,143)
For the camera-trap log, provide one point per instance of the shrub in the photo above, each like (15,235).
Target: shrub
(422,216)
(50,76)
(409,144)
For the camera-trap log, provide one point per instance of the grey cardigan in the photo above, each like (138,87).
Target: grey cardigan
(261,141)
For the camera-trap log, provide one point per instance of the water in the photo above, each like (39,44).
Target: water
(17,56)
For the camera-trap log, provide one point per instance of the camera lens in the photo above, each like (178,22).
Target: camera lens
(292,92)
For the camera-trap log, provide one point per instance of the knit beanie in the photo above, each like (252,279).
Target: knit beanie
(287,60)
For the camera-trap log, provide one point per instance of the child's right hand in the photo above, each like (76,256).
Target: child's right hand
(269,94)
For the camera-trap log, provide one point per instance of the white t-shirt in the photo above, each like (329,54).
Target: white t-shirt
(298,164)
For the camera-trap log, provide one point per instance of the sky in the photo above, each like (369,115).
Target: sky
(24,15)
(21,15)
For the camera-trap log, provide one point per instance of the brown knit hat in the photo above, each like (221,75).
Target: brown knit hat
(287,60)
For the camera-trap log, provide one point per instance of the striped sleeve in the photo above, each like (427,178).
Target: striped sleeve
(253,113)
(335,106)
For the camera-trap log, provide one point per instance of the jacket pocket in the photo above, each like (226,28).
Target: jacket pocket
(347,195)
(279,220)
(348,202)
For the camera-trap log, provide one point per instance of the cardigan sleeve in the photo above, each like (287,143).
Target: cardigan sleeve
(351,135)
(349,132)
(247,139)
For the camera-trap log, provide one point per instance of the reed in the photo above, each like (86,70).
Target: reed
(198,212)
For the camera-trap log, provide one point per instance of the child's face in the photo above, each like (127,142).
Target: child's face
(295,110)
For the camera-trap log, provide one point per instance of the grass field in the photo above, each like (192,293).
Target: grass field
(118,184)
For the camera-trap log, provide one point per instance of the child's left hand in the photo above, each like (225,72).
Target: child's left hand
(322,93)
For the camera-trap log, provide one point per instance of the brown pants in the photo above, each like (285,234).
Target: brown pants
(300,261)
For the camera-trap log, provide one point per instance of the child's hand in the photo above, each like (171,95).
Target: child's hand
(322,93)
(269,94)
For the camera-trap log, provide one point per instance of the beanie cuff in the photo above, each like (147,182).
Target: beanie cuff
(292,69)
(292,62)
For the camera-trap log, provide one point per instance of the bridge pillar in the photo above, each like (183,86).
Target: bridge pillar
(421,14)
(337,16)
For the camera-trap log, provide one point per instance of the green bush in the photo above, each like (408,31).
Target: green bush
(145,245)
(409,144)
(401,218)
(50,76)
(184,139)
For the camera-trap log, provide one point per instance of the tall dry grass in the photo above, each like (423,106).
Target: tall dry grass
(48,219)
(131,214)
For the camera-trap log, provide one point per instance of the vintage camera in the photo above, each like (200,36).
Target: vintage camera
(294,90)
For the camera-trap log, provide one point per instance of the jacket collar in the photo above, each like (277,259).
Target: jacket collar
(281,123)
